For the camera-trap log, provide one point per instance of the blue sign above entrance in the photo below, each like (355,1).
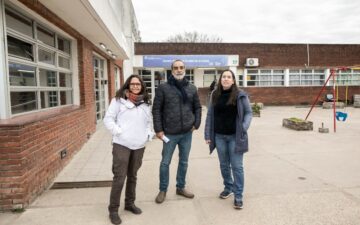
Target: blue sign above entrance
(191,61)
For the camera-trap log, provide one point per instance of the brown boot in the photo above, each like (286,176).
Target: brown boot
(160,197)
(184,193)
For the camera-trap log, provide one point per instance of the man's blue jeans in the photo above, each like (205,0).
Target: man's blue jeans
(184,143)
(230,162)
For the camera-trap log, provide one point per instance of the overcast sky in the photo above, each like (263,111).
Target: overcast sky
(248,21)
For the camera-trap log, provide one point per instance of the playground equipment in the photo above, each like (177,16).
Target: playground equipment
(340,116)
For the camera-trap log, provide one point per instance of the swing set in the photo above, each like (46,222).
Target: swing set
(338,115)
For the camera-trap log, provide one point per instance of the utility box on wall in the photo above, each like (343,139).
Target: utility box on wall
(252,62)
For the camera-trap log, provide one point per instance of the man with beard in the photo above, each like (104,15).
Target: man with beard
(176,114)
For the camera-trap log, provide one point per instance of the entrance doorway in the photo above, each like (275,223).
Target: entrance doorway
(100,88)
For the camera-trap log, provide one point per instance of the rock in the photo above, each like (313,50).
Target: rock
(329,105)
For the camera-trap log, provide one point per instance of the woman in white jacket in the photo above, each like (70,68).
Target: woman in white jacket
(129,119)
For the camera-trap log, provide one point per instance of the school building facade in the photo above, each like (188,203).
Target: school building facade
(274,74)
(60,63)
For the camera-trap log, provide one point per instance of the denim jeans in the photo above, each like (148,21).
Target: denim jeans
(231,164)
(184,143)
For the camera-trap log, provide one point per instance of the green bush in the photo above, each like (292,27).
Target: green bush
(256,108)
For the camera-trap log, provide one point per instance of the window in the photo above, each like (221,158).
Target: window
(21,75)
(190,76)
(23,101)
(45,36)
(265,77)
(46,56)
(42,80)
(210,75)
(347,77)
(306,77)
(241,80)
(18,23)
(20,49)
(63,45)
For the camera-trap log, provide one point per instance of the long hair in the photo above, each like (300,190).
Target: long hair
(121,92)
(234,90)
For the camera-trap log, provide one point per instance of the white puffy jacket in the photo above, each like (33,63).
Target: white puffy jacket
(130,125)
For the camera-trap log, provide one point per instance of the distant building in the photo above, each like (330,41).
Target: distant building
(61,62)
(275,74)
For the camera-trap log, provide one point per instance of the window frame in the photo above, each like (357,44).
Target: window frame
(65,94)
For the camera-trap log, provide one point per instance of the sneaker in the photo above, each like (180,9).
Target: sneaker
(225,194)
(184,193)
(160,197)
(132,208)
(238,204)
(114,218)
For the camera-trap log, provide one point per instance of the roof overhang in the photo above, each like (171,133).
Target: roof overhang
(82,16)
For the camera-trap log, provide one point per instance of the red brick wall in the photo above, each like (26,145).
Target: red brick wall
(270,55)
(30,144)
(288,95)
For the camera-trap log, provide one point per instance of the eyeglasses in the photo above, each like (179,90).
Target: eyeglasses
(178,67)
(135,84)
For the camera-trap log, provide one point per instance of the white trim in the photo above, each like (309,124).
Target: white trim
(245,77)
(4,97)
(287,77)
(74,65)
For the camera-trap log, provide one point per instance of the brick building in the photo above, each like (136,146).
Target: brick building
(60,62)
(275,74)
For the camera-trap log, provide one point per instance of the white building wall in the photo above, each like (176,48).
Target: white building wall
(198,78)
(110,14)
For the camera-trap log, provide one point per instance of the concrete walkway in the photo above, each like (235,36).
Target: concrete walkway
(291,178)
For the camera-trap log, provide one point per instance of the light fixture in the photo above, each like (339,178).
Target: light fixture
(109,52)
(26,71)
(113,56)
(102,45)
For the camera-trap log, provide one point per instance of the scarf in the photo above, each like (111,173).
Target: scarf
(180,85)
(136,99)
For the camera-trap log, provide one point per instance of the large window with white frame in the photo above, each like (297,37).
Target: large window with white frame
(210,75)
(39,65)
(306,77)
(347,77)
(265,77)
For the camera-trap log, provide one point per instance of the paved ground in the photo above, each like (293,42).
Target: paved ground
(291,178)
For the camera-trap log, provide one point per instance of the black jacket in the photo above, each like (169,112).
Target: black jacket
(171,114)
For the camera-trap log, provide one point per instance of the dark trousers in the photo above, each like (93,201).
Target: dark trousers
(126,163)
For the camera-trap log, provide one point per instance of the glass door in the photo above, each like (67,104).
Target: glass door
(117,79)
(100,87)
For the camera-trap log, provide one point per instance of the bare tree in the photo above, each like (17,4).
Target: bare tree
(192,37)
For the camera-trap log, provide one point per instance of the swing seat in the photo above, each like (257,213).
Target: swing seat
(341,116)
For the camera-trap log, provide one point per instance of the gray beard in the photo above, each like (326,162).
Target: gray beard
(179,77)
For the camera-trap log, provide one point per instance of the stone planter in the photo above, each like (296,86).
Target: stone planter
(329,105)
(297,124)
(256,114)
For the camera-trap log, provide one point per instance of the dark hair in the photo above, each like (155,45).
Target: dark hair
(234,90)
(121,92)
(176,60)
